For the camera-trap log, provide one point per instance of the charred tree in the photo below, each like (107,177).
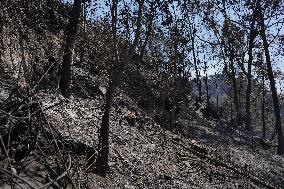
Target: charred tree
(233,78)
(148,33)
(197,72)
(71,32)
(103,146)
(22,44)
(263,109)
(206,84)
(278,124)
(252,36)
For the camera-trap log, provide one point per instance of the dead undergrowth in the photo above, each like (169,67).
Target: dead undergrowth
(46,142)
(33,154)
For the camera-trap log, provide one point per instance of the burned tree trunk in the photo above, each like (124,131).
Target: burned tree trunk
(235,91)
(71,32)
(249,76)
(24,63)
(197,73)
(149,29)
(263,109)
(103,147)
(278,124)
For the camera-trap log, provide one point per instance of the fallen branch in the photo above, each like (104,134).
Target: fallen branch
(61,176)
(9,173)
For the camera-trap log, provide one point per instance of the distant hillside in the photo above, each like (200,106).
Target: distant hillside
(217,86)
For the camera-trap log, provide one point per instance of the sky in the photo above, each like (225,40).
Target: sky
(278,61)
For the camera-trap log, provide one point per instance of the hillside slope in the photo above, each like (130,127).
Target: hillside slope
(202,153)
(199,153)
(144,155)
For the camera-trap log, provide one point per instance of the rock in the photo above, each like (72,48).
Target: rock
(102,89)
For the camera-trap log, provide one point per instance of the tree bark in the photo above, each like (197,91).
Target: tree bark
(24,63)
(149,29)
(235,91)
(174,87)
(263,109)
(206,85)
(278,124)
(248,74)
(103,146)
(197,75)
(232,73)
(71,32)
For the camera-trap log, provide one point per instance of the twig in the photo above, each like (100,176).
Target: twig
(43,76)
(6,151)
(62,175)
(12,116)
(18,177)
(57,146)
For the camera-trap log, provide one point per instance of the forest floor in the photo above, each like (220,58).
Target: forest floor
(142,154)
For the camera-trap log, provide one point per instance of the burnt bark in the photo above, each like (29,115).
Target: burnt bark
(206,85)
(71,32)
(22,44)
(263,109)
(278,124)
(249,75)
(197,73)
(149,30)
(103,146)
(235,90)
